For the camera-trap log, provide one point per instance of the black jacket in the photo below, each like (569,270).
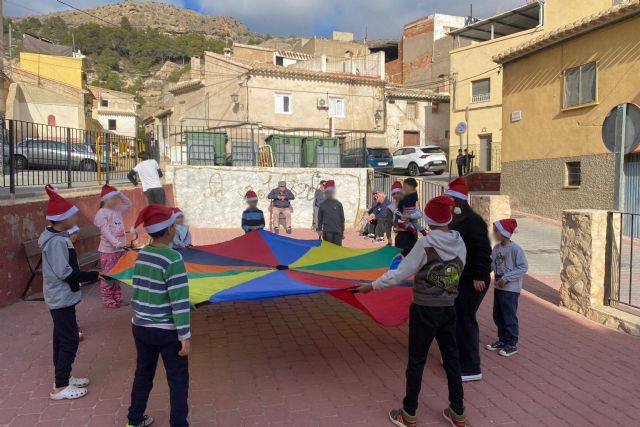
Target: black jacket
(474,232)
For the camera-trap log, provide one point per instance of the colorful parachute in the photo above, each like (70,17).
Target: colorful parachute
(262,265)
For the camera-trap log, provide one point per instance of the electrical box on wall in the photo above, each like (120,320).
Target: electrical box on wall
(516,116)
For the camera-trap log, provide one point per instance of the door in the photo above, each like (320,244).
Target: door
(411,138)
(485,153)
(631,194)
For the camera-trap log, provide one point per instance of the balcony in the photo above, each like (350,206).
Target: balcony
(481,97)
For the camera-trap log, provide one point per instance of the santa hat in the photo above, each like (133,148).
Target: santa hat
(439,211)
(329,186)
(251,196)
(58,208)
(177,212)
(458,189)
(396,187)
(506,227)
(108,192)
(155,218)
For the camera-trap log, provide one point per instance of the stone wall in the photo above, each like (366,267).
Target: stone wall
(538,186)
(491,207)
(213,196)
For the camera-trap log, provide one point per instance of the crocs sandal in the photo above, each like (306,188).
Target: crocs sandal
(69,392)
(77,382)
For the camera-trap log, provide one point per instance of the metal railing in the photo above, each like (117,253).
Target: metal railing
(35,155)
(427,190)
(481,97)
(623,282)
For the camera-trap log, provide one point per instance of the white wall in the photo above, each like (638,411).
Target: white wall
(212,196)
(125,125)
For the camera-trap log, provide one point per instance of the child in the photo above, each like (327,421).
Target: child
(183,235)
(435,262)
(509,265)
(252,217)
(330,216)
(408,210)
(61,278)
(113,240)
(161,318)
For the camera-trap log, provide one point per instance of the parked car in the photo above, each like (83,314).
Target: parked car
(377,158)
(53,154)
(417,160)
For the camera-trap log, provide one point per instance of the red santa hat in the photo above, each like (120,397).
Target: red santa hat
(396,187)
(458,189)
(58,208)
(506,227)
(155,218)
(177,212)
(251,196)
(329,186)
(108,192)
(439,211)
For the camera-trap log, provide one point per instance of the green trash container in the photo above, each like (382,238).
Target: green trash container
(206,148)
(320,152)
(286,149)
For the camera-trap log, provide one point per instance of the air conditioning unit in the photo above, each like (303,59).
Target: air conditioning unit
(322,103)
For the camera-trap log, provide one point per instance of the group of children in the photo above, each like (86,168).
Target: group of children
(160,300)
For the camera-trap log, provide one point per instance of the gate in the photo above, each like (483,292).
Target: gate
(632,195)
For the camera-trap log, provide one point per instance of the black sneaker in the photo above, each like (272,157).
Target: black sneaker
(146,422)
(494,346)
(508,350)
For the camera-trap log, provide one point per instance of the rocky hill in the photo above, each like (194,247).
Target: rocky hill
(166,18)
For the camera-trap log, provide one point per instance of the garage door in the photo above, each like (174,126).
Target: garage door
(411,138)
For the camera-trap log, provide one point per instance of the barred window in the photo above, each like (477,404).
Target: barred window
(573,174)
(411,110)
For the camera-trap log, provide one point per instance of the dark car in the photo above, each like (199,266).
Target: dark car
(379,159)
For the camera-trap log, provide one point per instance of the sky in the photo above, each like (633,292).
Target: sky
(378,18)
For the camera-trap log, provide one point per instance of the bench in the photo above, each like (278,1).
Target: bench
(32,250)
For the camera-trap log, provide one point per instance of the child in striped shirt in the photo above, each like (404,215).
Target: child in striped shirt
(252,217)
(161,318)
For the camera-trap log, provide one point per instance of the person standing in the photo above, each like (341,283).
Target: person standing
(460,162)
(468,160)
(331,217)
(318,197)
(474,281)
(281,198)
(148,173)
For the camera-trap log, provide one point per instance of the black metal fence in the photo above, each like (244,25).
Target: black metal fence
(251,144)
(427,190)
(623,282)
(36,155)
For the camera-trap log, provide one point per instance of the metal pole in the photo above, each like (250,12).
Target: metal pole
(106,158)
(69,175)
(620,148)
(12,165)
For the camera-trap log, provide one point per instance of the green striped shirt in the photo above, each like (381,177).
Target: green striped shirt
(161,291)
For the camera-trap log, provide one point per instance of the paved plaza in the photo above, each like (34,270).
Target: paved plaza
(314,361)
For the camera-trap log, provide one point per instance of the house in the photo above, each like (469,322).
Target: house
(339,45)
(116,111)
(66,69)
(416,117)
(558,88)
(476,92)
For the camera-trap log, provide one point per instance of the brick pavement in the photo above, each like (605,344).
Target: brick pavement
(314,361)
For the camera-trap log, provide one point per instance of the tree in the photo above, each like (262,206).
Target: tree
(108,58)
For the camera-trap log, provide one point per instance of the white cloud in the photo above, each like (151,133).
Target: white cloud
(381,18)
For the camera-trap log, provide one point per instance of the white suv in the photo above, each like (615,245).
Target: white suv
(417,160)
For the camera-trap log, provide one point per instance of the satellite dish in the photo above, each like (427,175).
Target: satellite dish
(627,115)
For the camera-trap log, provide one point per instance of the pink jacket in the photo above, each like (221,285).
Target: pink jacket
(113,237)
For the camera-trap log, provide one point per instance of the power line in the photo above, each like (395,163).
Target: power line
(87,13)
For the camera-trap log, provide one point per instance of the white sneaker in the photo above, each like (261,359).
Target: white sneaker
(468,378)
(69,392)
(77,382)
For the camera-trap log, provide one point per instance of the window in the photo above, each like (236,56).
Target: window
(164,125)
(481,90)
(112,124)
(411,110)
(580,85)
(336,107)
(104,102)
(573,174)
(446,134)
(279,60)
(51,120)
(283,103)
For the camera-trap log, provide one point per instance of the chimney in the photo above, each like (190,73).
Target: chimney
(196,68)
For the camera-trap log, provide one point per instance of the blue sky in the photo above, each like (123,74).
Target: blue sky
(380,18)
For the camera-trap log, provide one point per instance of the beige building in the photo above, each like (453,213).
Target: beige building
(476,93)
(116,111)
(558,89)
(340,44)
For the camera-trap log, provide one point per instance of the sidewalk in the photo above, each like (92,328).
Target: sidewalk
(312,361)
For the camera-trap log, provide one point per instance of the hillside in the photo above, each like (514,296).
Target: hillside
(165,18)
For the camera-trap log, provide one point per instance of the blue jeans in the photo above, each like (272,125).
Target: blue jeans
(505,315)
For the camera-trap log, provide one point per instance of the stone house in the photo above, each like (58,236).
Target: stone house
(116,111)
(476,88)
(558,88)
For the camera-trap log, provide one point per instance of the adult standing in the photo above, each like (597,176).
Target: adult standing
(460,162)
(474,281)
(148,173)
(318,197)
(468,160)
(281,198)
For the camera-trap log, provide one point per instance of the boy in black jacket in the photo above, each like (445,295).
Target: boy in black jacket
(474,281)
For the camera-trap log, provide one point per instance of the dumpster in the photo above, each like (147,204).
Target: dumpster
(244,152)
(206,148)
(320,152)
(286,149)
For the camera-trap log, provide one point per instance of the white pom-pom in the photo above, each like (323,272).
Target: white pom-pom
(457,210)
